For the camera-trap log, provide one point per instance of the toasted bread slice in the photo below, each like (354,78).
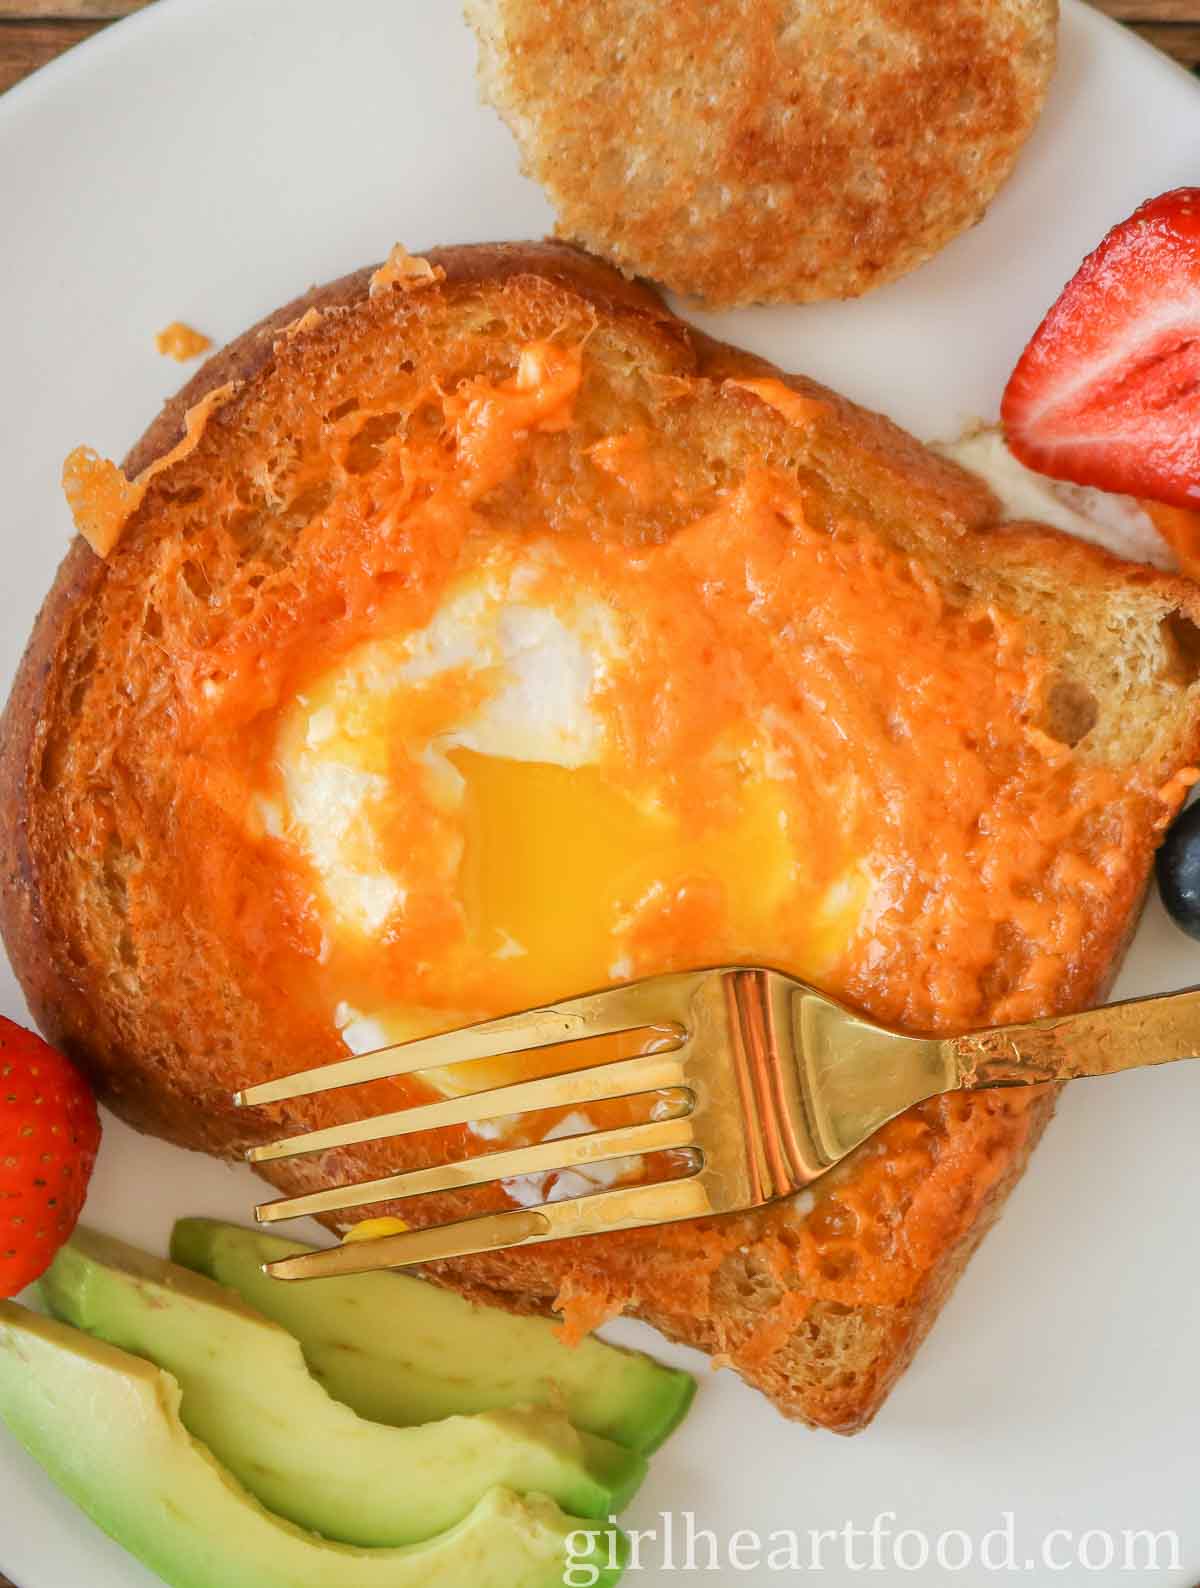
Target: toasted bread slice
(174,956)
(767,151)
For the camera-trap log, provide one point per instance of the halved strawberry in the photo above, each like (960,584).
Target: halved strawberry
(49,1134)
(1108,391)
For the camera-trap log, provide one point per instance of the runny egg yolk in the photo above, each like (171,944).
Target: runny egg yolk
(558,860)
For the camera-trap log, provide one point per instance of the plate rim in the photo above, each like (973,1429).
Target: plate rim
(54,80)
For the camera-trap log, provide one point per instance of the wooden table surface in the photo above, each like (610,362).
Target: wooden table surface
(33,32)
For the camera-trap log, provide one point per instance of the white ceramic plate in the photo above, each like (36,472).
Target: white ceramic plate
(208,159)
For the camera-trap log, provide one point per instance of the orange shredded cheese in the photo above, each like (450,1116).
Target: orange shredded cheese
(1173,791)
(1181,531)
(181,342)
(492,420)
(795,408)
(102,500)
(627,458)
(584,1304)
(308,321)
(407,271)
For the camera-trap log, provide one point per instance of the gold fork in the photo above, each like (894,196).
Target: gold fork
(768,1084)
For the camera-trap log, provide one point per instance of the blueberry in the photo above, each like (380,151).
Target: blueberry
(1178,867)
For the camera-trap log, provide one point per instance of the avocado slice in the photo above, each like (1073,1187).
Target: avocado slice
(105,1425)
(249,1397)
(400,1350)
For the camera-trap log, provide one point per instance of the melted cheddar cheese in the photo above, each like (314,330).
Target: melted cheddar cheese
(181,342)
(474,759)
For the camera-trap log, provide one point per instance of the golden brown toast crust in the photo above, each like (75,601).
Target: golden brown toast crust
(756,152)
(763,1291)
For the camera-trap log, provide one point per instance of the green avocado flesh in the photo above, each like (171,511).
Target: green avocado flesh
(249,1397)
(400,1350)
(105,1425)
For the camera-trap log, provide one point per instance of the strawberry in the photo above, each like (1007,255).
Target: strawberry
(49,1135)
(1108,391)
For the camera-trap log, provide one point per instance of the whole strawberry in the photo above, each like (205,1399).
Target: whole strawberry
(49,1134)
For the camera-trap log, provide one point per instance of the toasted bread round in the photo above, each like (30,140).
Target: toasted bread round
(754,151)
(119,830)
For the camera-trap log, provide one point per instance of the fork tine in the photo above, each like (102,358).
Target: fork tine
(563,1153)
(623,1208)
(594,1015)
(649,1072)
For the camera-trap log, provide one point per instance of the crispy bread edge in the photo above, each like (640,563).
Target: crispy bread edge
(898,1332)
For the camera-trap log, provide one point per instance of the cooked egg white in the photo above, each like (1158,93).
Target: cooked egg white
(526,676)
(1118,523)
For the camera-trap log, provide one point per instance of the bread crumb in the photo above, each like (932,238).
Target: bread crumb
(102,500)
(407,271)
(181,342)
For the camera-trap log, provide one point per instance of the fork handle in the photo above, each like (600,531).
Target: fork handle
(1122,1036)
